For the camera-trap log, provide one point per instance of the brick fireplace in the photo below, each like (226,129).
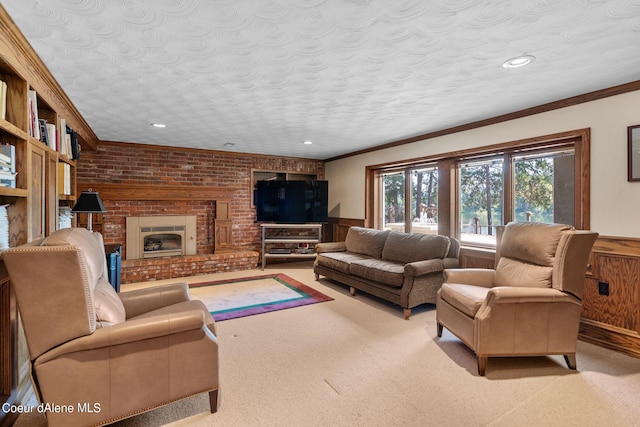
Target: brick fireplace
(146,179)
(160,236)
(211,244)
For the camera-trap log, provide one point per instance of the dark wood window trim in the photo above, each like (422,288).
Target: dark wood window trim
(579,140)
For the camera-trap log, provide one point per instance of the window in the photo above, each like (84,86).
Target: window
(413,209)
(424,200)
(541,187)
(467,194)
(544,187)
(393,192)
(481,200)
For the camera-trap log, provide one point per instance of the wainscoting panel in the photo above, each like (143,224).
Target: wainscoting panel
(476,258)
(611,315)
(337,228)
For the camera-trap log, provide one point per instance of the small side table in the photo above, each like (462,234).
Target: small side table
(113,253)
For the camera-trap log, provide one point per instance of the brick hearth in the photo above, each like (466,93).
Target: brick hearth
(141,270)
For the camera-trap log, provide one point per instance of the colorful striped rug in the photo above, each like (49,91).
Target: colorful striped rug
(233,298)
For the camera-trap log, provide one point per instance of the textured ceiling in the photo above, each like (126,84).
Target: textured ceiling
(345,74)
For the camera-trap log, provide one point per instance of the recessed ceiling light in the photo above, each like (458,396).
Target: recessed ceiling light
(518,61)
(158,125)
(307,142)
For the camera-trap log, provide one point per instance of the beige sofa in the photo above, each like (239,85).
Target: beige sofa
(403,268)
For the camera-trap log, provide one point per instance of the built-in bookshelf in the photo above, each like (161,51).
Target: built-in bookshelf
(37,160)
(40,129)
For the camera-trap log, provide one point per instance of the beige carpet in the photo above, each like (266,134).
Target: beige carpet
(355,361)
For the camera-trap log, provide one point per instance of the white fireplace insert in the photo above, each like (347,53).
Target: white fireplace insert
(160,236)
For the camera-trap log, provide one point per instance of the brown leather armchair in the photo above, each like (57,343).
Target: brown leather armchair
(530,304)
(99,356)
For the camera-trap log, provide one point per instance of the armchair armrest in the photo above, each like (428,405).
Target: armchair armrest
(517,295)
(419,268)
(144,300)
(330,247)
(470,276)
(131,331)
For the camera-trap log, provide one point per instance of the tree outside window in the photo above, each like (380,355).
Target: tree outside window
(481,199)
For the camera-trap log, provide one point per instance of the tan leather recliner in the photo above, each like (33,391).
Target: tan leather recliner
(99,356)
(530,304)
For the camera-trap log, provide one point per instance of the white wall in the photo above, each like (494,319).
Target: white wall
(615,202)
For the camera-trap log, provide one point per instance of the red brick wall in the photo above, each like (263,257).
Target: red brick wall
(121,163)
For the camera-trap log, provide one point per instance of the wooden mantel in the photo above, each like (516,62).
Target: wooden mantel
(137,192)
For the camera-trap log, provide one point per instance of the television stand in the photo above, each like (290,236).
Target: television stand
(291,235)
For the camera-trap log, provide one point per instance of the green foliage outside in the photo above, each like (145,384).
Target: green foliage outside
(481,193)
(481,188)
(423,203)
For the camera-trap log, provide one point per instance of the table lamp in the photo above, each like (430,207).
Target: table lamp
(89,202)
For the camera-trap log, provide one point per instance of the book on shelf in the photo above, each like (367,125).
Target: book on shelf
(64,179)
(8,179)
(62,131)
(67,146)
(44,135)
(3,100)
(52,136)
(75,146)
(34,124)
(8,157)
(7,166)
(65,217)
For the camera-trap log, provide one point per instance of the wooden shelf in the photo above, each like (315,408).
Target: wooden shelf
(289,239)
(12,129)
(13,192)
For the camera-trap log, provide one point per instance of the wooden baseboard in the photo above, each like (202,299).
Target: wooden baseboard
(610,337)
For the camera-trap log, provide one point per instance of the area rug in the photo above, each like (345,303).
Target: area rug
(233,298)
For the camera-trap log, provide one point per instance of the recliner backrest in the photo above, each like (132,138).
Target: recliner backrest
(527,253)
(54,280)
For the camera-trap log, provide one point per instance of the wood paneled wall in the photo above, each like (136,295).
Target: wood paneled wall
(337,228)
(613,320)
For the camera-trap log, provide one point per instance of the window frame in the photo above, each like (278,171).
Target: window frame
(448,189)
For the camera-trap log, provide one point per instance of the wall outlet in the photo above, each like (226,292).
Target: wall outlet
(603,288)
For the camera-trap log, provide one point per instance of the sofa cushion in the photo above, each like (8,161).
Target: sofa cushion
(465,298)
(410,247)
(513,272)
(107,304)
(382,271)
(339,261)
(367,241)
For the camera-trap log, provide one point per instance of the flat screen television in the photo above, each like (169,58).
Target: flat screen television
(292,202)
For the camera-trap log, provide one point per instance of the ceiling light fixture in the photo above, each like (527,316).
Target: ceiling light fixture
(307,142)
(158,125)
(518,61)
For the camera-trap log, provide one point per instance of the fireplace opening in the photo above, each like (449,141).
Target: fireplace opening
(168,243)
(160,236)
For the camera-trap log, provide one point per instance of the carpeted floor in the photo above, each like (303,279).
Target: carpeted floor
(355,361)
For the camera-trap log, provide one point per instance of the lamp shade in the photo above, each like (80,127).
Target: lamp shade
(89,201)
